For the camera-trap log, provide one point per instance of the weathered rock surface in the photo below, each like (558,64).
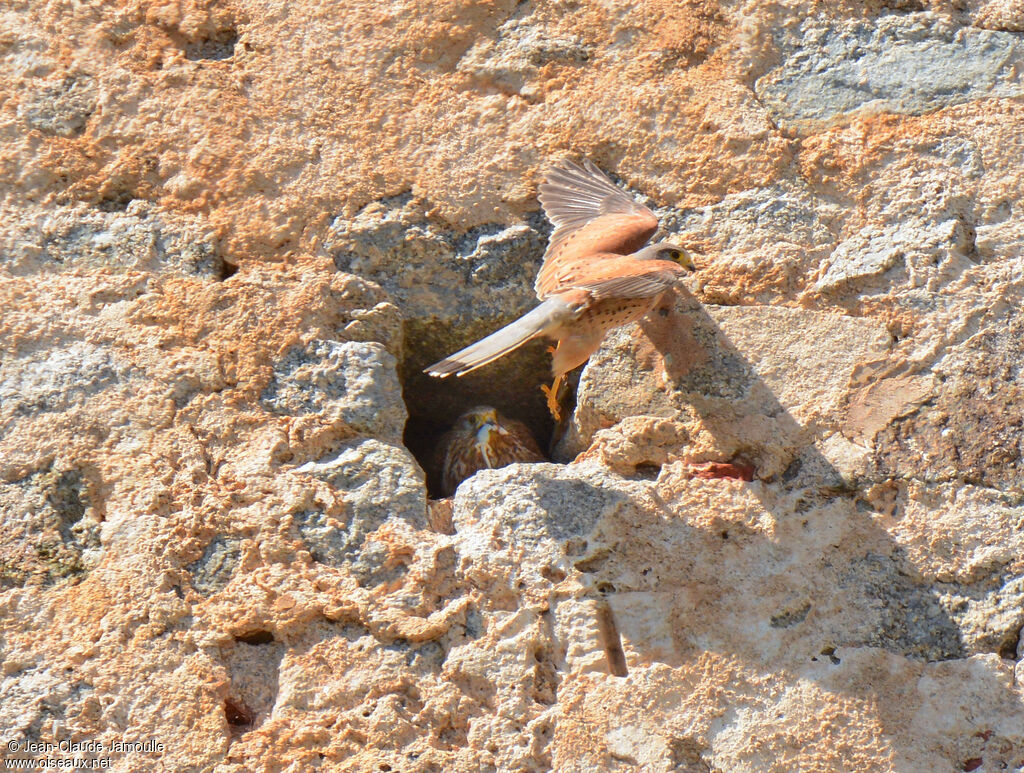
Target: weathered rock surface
(898,64)
(783,527)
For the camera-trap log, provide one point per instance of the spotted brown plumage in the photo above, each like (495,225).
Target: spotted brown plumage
(596,275)
(482,438)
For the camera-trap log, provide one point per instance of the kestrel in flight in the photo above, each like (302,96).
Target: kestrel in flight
(596,275)
(482,438)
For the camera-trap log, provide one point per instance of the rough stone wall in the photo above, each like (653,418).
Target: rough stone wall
(231,233)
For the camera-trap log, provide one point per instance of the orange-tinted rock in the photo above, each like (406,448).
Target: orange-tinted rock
(233,233)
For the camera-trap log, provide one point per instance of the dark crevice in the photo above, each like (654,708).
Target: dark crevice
(552,574)
(830,653)
(237,713)
(476,281)
(594,562)
(1009,648)
(545,673)
(256,638)
(216,47)
(647,471)
(897,7)
(610,640)
(227,270)
(116,201)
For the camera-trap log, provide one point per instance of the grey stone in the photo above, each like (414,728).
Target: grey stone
(962,154)
(990,613)
(551,513)
(380,482)
(785,226)
(327,543)
(906,64)
(25,52)
(882,606)
(517,525)
(58,379)
(418,259)
(355,382)
(214,569)
(366,314)
(36,698)
(751,221)
(48,531)
(368,564)
(215,46)
(520,47)
(874,250)
(866,254)
(62,107)
(141,238)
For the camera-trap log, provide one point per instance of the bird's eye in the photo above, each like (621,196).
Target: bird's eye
(676,254)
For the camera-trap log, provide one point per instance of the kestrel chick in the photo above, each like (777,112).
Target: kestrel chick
(596,275)
(482,438)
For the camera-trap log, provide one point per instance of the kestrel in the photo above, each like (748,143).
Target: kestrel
(596,275)
(482,438)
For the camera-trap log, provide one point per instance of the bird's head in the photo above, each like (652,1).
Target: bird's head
(670,251)
(482,417)
(483,425)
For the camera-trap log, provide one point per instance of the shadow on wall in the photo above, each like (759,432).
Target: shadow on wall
(823,574)
(789,580)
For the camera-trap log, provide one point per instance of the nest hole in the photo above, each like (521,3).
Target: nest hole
(511,384)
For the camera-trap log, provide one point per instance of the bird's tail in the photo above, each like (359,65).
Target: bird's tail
(534,323)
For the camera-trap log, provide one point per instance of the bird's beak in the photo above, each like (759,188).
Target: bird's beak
(487,420)
(686,261)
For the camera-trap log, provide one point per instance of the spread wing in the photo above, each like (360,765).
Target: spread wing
(606,275)
(591,215)
(629,278)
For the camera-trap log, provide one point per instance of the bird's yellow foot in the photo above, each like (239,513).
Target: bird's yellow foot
(551,392)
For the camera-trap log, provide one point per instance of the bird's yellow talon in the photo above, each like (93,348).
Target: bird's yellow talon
(551,392)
